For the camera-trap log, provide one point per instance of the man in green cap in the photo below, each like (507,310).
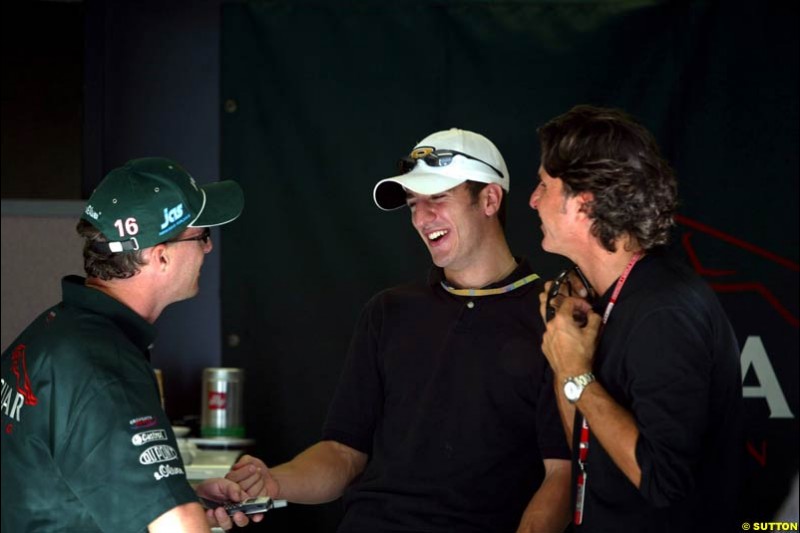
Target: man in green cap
(86,445)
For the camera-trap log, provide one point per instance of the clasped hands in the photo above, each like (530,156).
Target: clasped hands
(571,326)
(249,478)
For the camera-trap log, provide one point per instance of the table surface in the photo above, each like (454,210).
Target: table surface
(206,464)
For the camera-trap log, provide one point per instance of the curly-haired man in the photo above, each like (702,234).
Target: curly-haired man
(647,374)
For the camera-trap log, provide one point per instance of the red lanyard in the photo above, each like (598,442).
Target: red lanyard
(583,445)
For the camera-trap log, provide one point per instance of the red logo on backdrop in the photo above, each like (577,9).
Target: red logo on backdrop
(20,369)
(742,286)
(217,400)
(759,453)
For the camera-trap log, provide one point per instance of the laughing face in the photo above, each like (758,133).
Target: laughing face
(450,224)
(556,210)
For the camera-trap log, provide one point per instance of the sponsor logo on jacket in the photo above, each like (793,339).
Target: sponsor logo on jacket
(167,471)
(142,422)
(13,399)
(149,436)
(160,453)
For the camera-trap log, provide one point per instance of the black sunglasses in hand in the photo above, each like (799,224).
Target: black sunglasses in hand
(564,280)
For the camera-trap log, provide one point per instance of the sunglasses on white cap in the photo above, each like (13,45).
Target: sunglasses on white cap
(435,158)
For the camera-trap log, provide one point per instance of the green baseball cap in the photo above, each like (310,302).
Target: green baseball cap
(152,200)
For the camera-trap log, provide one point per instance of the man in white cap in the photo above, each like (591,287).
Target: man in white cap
(444,418)
(86,445)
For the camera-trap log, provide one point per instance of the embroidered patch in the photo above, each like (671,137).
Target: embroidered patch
(20,369)
(160,453)
(167,471)
(142,422)
(149,436)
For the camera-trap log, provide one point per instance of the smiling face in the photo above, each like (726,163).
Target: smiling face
(557,212)
(451,224)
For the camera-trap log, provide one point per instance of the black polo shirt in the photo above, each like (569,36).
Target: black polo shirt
(669,355)
(452,399)
(85,443)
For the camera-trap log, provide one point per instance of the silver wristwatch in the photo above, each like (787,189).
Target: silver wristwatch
(574,385)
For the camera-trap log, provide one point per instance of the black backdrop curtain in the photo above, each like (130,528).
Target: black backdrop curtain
(320,99)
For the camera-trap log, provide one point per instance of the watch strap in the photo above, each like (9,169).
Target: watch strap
(583,379)
(577,385)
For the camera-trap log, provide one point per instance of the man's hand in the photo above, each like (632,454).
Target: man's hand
(253,476)
(569,348)
(225,490)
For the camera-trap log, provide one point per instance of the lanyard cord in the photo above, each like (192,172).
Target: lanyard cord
(583,446)
(488,292)
(618,287)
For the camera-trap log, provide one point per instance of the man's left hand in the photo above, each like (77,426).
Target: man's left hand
(225,490)
(568,346)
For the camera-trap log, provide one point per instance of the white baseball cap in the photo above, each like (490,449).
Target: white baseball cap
(440,162)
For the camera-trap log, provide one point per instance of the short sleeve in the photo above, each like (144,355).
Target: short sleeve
(118,452)
(357,403)
(551,434)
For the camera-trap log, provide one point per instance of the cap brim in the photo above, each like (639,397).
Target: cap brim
(390,193)
(224,201)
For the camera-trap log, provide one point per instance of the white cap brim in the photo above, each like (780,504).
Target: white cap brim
(390,193)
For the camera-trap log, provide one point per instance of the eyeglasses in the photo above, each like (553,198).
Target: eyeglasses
(555,289)
(205,236)
(435,158)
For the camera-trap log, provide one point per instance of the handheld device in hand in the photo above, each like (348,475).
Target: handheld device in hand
(261,504)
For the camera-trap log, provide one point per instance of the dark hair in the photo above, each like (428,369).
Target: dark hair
(607,153)
(475,188)
(106,265)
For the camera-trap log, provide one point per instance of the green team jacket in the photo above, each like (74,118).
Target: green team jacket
(85,443)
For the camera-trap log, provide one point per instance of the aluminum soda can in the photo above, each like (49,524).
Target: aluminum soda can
(222,403)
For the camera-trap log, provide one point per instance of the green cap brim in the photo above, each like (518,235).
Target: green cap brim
(224,201)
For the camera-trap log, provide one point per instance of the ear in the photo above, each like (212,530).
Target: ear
(585,200)
(491,198)
(160,257)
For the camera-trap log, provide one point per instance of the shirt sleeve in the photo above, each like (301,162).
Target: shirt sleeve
(357,403)
(551,434)
(669,371)
(118,453)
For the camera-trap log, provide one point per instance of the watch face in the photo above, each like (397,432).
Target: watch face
(571,390)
